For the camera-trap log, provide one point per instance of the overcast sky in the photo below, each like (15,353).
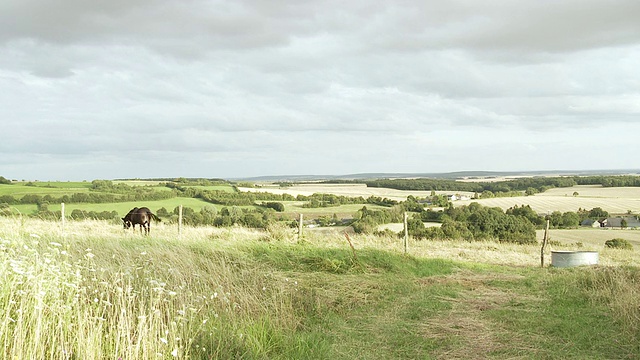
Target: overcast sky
(229,89)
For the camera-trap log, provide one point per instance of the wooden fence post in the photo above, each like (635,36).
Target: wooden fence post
(62,216)
(545,240)
(406,233)
(300,225)
(180,222)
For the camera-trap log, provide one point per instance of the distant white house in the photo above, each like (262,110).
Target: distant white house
(456,197)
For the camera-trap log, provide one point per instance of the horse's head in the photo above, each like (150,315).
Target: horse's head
(126,223)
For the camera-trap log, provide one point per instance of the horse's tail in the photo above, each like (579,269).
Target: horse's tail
(154,217)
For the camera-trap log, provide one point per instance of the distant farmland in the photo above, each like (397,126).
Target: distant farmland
(613,200)
(350,190)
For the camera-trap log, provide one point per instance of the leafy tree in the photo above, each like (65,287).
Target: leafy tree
(456,230)
(570,220)
(598,213)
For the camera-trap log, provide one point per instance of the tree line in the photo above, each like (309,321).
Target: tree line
(531,184)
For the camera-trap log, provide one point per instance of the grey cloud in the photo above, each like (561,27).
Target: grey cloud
(286,87)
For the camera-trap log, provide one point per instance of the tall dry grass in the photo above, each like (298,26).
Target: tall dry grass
(94,292)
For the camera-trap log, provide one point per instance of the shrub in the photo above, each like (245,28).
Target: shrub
(618,244)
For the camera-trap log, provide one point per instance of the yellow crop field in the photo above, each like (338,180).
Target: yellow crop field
(350,190)
(612,200)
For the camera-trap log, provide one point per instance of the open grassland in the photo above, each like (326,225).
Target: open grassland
(350,190)
(612,200)
(94,291)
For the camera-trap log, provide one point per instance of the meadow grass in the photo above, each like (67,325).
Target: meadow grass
(94,291)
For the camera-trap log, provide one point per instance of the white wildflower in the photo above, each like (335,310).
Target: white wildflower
(55,244)
(165,341)
(174,353)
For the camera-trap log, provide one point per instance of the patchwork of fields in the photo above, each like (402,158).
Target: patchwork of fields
(612,200)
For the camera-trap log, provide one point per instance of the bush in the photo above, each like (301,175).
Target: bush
(277,206)
(618,244)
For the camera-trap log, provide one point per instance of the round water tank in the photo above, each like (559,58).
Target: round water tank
(563,258)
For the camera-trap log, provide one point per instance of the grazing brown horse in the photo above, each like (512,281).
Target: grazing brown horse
(140,216)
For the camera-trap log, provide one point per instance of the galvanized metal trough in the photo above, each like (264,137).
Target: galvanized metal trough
(565,258)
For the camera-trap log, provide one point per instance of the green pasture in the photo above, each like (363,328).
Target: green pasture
(58,184)
(124,207)
(56,189)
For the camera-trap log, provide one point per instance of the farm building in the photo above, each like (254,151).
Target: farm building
(616,222)
(590,223)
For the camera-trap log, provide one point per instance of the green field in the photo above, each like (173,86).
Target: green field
(124,207)
(59,184)
(53,189)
